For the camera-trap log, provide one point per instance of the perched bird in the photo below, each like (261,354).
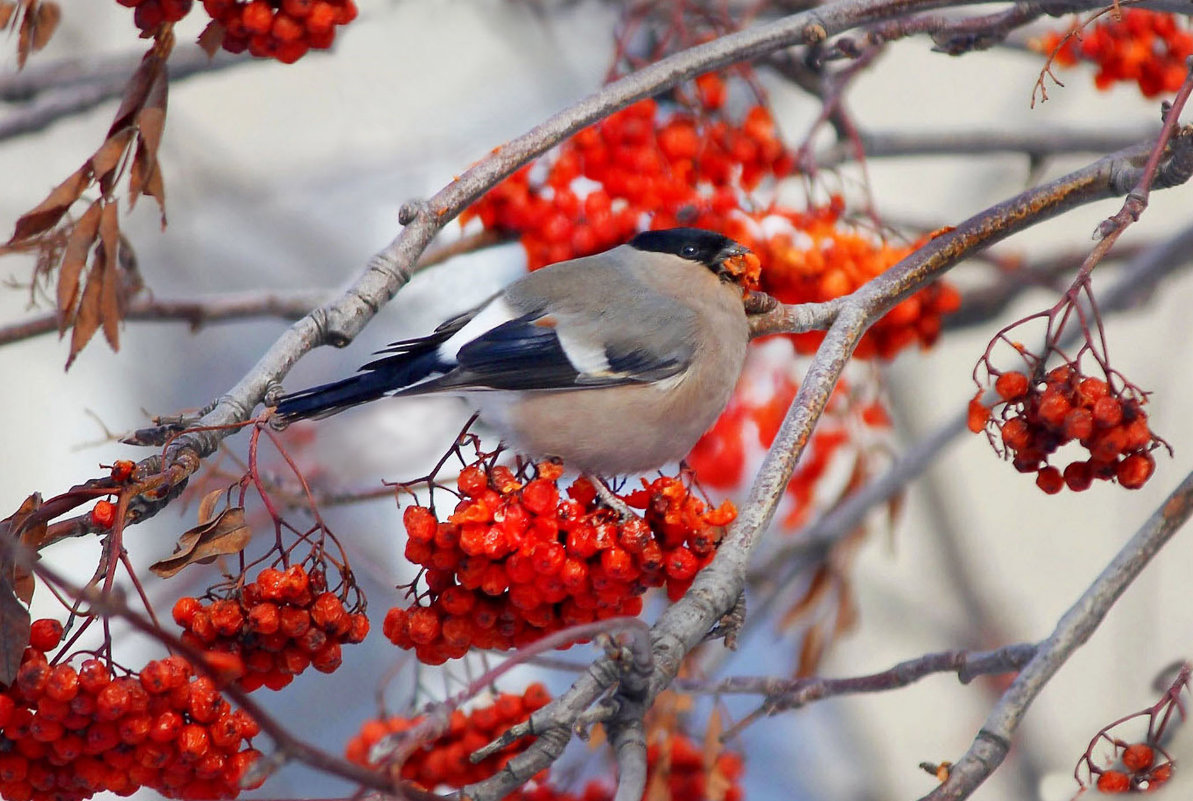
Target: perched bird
(615,363)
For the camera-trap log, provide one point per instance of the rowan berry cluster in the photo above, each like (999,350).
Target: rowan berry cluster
(697,168)
(281,29)
(1037,417)
(278,625)
(688,776)
(1140,770)
(444,760)
(678,167)
(1147,47)
(515,560)
(70,733)
(815,256)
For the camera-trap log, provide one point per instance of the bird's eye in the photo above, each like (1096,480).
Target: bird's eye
(689,251)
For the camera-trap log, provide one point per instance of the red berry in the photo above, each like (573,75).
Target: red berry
(1011,386)
(1108,412)
(45,634)
(1050,480)
(1138,756)
(257,17)
(103,515)
(1134,471)
(1114,781)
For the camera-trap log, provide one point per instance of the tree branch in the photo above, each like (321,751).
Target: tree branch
(1074,628)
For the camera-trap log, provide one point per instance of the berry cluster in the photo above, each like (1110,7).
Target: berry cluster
(1140,771)
(278,625)
(1038,417)
(679,168)
(281,29)
(1147,47)
(445,759)
(686,168)
(685,771)
(852,425)
(71,733)
(516,561)
(149,15)
(814,256)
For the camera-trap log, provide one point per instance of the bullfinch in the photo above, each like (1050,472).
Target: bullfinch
(614,363)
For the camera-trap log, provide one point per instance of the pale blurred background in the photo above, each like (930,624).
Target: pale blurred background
(282,177)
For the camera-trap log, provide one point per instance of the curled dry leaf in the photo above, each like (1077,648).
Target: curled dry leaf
(16,585)
(109,296)
(37,25)
(47,213)
(212,38)
(87,316)
(74,258)
(225,534)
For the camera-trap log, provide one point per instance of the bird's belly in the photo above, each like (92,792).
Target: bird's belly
(607,432)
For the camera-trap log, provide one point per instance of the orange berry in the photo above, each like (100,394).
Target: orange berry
(1010,386)
(45,634)
(103,515)
(978,415)
(122,470)
(1016,434)
(1108,412)
(257,16)
(1053,408)
(1079,424)
(1114,781)
(1138,756)
(1134,471)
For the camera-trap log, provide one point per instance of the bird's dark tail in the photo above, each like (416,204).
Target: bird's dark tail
(382,377)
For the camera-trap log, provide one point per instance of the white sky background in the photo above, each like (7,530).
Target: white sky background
(286,177)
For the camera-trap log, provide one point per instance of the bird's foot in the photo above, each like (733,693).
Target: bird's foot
(611,500)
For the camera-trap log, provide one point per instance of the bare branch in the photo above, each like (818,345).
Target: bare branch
(1074,628)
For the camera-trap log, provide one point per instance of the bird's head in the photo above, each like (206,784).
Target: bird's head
(728,260)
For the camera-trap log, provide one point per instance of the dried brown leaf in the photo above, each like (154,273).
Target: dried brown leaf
(107,158)
(145,178)
(24,39)
(14,631)
(48,16)
(14,616)
(32,536)
(811,652)
(47,213)
(207,505)
(817,587)
(596,737)
(211,38)
(227,533)
(712,739)
(74,258)
(151,119)
(109,299)
(135,92)
(87,318)
(716,785)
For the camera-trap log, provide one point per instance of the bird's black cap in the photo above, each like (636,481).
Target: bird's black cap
(695,244)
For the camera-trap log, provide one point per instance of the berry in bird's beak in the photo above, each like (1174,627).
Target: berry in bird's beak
(745,269)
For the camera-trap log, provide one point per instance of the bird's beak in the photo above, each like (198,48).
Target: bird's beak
(742,266)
